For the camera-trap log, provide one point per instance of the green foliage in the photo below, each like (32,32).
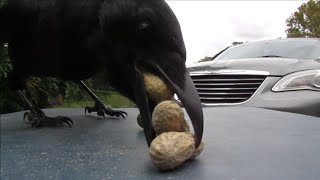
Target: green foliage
(73,92)
(8,99)
(112,99)
(2,3)
(5,65)
(40,90)
(43,90)
(305,22)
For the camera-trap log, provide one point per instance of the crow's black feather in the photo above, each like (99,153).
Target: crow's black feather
(75,39)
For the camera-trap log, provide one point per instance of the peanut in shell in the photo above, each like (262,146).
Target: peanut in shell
(168,116)
(171,149)
(157,89)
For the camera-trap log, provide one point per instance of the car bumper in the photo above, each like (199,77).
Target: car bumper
(301,102)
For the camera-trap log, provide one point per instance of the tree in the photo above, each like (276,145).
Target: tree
(5,64)
(305,22)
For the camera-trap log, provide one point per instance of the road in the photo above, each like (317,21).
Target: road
(240,144)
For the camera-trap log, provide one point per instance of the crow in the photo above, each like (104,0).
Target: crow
(76,39)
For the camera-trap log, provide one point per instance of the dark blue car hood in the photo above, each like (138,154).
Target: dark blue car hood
(275,66)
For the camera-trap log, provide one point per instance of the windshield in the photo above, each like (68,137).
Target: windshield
(299,49)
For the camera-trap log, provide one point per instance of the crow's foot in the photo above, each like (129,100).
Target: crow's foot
(102,109)
(37,118)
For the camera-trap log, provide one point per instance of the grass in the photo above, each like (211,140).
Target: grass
(113,99)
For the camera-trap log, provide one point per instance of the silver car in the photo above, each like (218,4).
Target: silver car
(281,74)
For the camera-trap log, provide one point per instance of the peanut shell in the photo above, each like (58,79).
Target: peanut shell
(156,88)
(171,149)
(168,116)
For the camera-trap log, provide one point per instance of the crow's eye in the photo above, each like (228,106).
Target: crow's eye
(144,26)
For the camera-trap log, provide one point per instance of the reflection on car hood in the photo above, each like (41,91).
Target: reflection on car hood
(275,66)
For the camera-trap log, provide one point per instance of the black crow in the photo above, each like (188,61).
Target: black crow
(75,39)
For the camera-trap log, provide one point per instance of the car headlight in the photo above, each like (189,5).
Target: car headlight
(303,80)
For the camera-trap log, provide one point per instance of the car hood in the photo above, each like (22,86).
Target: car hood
(275,66)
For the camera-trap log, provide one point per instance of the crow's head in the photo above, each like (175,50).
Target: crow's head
(146,33)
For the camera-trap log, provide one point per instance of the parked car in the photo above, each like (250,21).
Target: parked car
(281,74)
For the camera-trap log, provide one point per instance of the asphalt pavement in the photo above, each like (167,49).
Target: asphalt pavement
(240,144)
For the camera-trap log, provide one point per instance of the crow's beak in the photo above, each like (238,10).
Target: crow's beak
(142,102)
(187,93)
(190,99)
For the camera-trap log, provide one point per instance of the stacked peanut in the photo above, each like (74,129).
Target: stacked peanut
(174,144)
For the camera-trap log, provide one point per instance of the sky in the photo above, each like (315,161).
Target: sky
(210,26)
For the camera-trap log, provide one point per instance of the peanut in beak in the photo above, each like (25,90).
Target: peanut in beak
(174,144)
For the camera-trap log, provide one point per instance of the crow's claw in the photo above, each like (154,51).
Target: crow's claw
(121,113)
(103,110)
(89,109)
(101,113)
(37,118)
(118,113)
(65,120)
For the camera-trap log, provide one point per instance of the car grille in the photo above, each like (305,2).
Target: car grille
(226,88)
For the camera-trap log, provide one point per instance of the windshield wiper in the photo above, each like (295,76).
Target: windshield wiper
(270,56)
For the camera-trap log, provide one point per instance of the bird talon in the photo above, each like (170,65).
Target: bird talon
(37,118)
(100,113)
(89,109)
(35,123)
(67,122)
(124,113)
(103,110)
(70,121)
